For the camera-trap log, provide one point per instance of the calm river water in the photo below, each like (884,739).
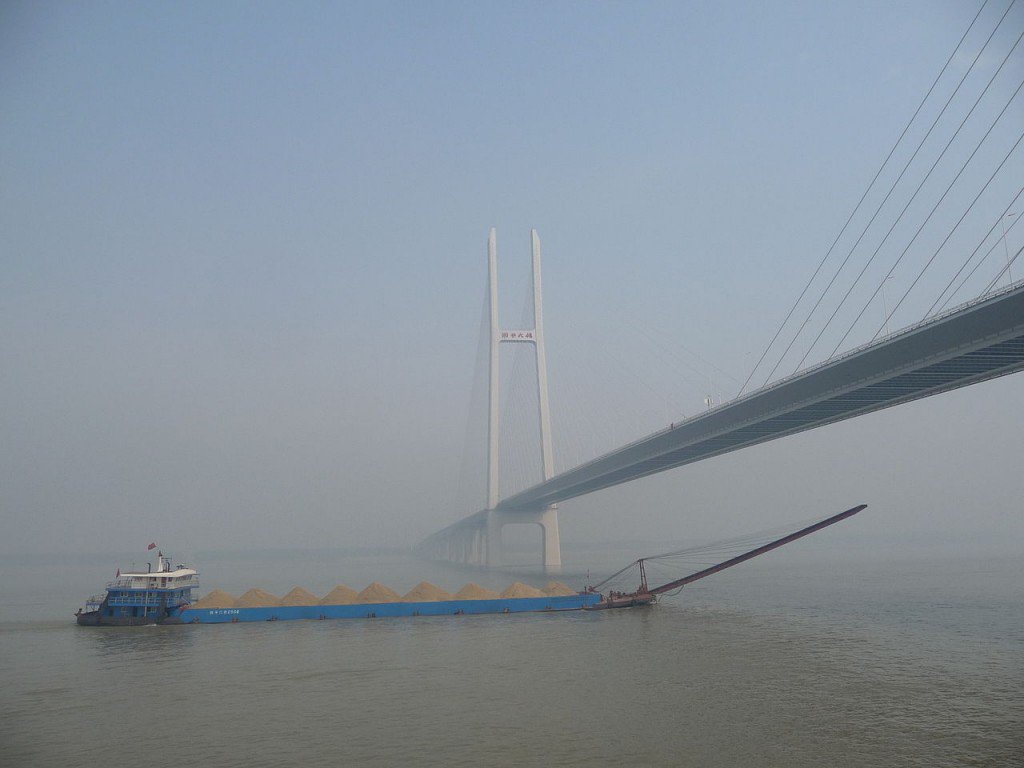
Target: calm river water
(917,663)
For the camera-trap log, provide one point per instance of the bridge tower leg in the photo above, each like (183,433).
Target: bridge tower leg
(492,422)
(547,518)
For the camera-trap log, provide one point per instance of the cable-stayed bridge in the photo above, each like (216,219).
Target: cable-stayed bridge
(974,342)
(953,175)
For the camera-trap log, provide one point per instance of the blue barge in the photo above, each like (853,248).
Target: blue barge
(165,595)
(381,610)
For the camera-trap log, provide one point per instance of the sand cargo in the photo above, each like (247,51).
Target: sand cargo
(379,601)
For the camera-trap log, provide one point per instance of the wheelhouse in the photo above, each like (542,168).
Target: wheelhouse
(148,595)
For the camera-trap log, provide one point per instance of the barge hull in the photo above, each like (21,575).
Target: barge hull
(384,610)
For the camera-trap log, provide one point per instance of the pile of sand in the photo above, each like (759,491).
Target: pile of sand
(378,593)
(425,592)
(300,596)
(257,598)
(218,598)
(558,589)
(522,590)
(476,592)
(340,595)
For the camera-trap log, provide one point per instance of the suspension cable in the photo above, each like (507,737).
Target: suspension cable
(977,266)
(862,197)
(970,258)
(1002,272)
(913,197)
(885,200)
(942,245)
(935,208)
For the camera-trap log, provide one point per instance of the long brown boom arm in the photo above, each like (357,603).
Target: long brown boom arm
(755,552)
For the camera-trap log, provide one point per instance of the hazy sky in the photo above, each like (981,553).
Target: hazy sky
(243,260)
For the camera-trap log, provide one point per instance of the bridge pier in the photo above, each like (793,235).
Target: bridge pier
(477,539)
(547,519)
(478,548)
(465,543)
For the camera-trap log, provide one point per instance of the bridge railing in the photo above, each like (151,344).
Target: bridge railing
(889,336)
(817,366)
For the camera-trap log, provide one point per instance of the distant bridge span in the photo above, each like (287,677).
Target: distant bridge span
(975,342)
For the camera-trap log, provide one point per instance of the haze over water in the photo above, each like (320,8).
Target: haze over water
(782,662)
(243,254)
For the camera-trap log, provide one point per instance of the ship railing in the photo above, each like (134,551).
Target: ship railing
(142,598)
(150,584)
(134,600)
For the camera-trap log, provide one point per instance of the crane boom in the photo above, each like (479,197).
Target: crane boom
(754,552)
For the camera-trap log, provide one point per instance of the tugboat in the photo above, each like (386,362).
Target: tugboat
(135,599)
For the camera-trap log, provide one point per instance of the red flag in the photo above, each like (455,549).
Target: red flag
(151,546)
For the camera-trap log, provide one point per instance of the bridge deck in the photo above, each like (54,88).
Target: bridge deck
(975,342)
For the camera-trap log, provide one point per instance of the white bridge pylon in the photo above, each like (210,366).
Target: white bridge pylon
(477,539)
